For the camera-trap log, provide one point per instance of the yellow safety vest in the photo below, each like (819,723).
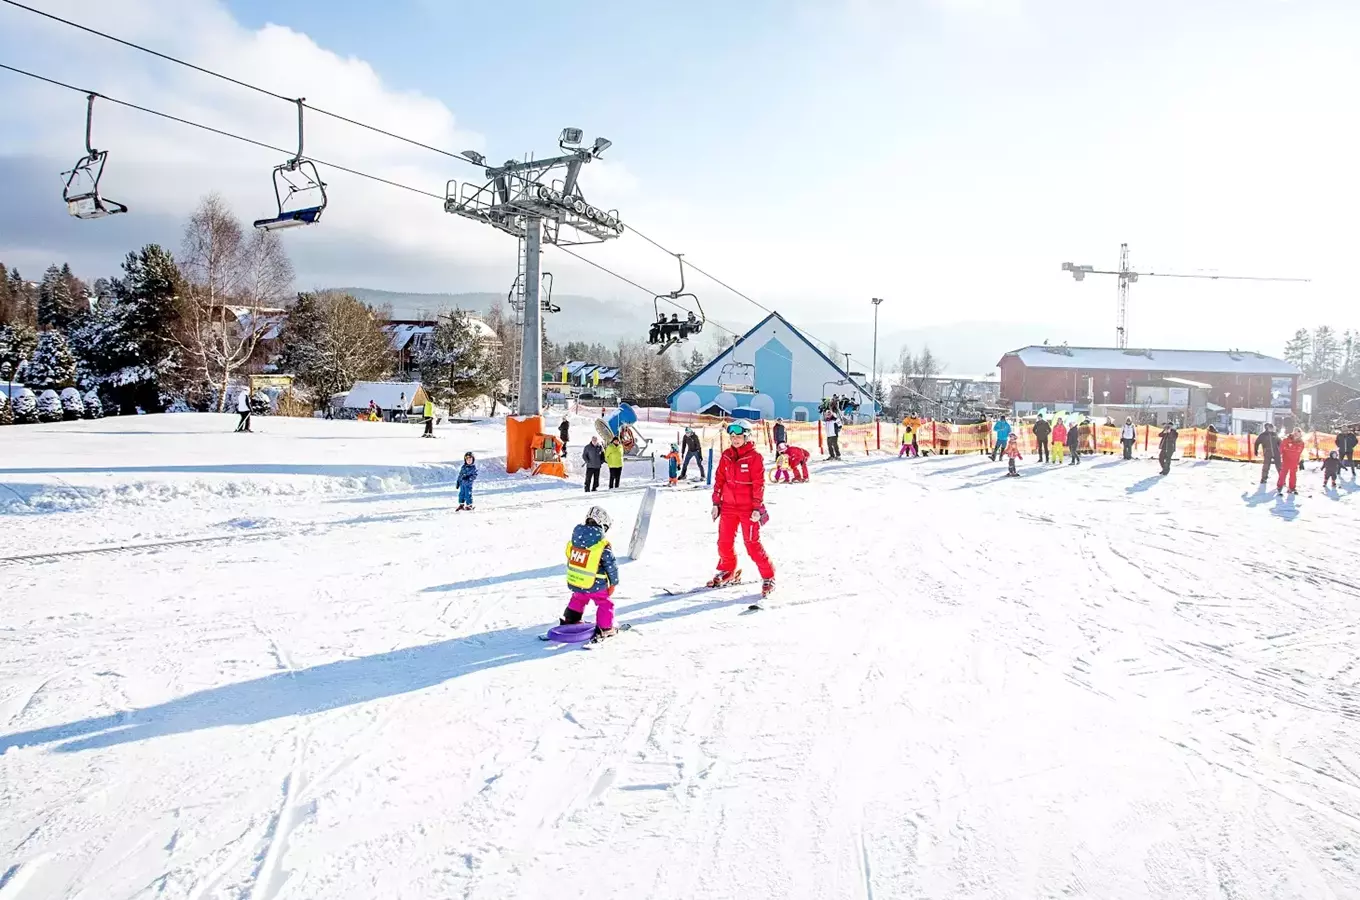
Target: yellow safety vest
(583,565)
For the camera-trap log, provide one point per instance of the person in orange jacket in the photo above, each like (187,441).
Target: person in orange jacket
(1291,455)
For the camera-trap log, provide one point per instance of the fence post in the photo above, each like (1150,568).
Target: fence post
(709,474)
(878,427)
(820,447)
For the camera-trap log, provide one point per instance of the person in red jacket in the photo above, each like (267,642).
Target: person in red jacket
(798,460)
(739,503)
(1291,452)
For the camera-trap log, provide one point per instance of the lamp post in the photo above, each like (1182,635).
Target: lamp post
(876,301)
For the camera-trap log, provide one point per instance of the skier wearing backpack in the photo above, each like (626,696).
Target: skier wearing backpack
(739,505)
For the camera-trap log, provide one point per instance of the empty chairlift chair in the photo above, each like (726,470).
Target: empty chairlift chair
(81,193)
(298,190)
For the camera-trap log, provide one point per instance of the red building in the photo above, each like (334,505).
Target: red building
(1045,375)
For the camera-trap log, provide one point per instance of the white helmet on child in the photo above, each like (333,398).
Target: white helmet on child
(599,516)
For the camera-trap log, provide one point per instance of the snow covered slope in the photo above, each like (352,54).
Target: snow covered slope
(1086,682)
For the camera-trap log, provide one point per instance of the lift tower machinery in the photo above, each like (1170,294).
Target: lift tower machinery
(1127,276)
(522,199)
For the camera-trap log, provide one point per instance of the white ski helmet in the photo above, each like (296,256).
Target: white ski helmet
(599,516)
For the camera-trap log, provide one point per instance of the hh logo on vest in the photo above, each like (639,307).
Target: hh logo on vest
(579,556)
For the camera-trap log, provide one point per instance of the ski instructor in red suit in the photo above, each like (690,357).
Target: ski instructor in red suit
(739,502)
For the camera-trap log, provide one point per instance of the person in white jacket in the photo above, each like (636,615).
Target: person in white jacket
(1127,435)
(243,408)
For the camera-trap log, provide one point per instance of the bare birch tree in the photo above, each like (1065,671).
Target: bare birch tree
(232,279)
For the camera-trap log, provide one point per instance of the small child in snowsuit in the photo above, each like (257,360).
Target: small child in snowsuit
(466,475)
(592,573)
(1331,467)
(908,443)
(782,471)
(1012,454)
(798,460)
(673,464)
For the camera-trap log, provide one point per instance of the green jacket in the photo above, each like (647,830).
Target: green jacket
(613,456)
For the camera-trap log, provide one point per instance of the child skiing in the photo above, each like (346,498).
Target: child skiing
(739,504)
(1291,460)
(592,574)
(673,462)
(1012,454)
(908,443)
(466,475)
(798,460)
(781,464)
(1331,467)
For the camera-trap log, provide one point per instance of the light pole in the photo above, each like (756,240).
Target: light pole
(877,399)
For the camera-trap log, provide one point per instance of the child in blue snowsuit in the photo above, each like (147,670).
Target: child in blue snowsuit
(466,476)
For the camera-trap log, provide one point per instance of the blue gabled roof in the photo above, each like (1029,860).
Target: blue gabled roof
(717,360)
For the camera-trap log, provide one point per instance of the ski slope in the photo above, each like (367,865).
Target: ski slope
(290,670)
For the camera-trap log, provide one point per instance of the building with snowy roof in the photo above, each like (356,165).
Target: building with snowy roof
(772,371)
(1078,377)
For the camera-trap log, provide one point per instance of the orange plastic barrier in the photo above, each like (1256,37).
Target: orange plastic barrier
(520,433)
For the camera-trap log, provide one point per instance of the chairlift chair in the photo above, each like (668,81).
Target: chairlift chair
(296,176)
(82,183)
(737,378)
(666,333)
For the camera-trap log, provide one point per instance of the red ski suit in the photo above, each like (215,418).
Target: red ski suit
(739,490)
(798,458)
(1291,450)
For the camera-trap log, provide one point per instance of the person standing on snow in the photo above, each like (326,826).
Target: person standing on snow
(690,449)
(908,443)
(1166,446)
(1291,460)
(563,431)
(1003,437)
(1012,454)
(1041,432)
(428,413)
(673,464)
(613,458)
(243,409)
(1074,444)
(1127,435)
(593,457)
(739,504)
(781,434)
(833,436)
(592,573)
(1331,467)
(1268,444)
(466,475)
(1345,448)
(1059,440)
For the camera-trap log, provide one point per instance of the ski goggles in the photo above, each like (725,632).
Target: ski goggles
(737,428)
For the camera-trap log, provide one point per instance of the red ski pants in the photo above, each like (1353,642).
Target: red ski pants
(728,523)
(1290,468)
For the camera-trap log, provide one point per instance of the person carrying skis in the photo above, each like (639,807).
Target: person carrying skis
(798,460)
(739,504)
(1012,454)
(1166,446)
(592,574)
(1345,447)
(1074,444)
(1291,460)
(1268,444)
(466,475)
(593,457)
(1127,435)
(673,464)
(689,444)
(1003,436)
(1041,432)
(613,458)
(1059,441)
(1331,467)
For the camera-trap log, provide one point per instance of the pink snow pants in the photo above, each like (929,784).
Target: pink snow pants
(604,607)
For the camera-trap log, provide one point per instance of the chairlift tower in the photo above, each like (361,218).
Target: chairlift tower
(523,199)
(1127,276)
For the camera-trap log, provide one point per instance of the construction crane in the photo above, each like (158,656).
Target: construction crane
(1127,276)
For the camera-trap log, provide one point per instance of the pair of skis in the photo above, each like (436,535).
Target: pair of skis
(757,605)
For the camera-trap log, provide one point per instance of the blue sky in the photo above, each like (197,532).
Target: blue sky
(945,154)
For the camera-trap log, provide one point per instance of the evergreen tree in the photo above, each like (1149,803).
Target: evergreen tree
(453,367)
(49,407)
(52,365)
(17,342)
(25,407)
(57,307)
(333,340)
(1299,349)
(6,411)
(1350,356)
(23,298)
(8,305)
(694,365)
(1326,353)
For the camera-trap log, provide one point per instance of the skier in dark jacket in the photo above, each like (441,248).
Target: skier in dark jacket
(466,475)
(593,457)
(1041,432)
(1268,443)
(1074,444)
(563,431)
(1345,448)
(1166,446)
(1331,467)
(781,434)
(690,449)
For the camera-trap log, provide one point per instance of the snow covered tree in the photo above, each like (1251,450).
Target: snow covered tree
(332,340)
(6,411)
(231,279)
(23,300)
(25,407)
(1299,349)
(49,407)
(52,365)
(94,408)
(453,366)
(72,406)
(61,299)
(9,310)
(17,342)
(1326,353)
(1350,357)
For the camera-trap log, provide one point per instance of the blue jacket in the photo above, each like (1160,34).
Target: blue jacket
(1003,432)
(586,536)
(467,474)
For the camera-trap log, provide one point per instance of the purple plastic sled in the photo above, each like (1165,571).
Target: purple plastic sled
(577,633)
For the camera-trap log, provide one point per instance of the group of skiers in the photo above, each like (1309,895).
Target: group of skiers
(1052,440)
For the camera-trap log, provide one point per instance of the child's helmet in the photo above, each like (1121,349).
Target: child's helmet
(783,446)
(675,448)
(599,516)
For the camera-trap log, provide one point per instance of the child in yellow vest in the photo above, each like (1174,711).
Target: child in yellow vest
(592,573)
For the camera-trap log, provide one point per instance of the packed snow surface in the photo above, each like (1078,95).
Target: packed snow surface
(290,670)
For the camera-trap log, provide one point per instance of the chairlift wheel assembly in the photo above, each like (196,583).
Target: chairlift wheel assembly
(85,202)
(296,176)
